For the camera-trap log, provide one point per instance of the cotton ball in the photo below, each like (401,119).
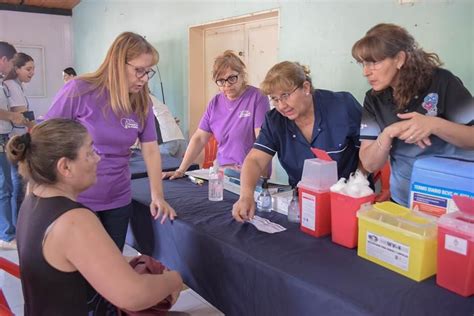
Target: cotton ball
(365,191)
(359,178)
(353,190)
(338,186)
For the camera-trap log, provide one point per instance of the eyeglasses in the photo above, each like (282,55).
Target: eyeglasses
(140,72)
(283,97)
(372,65)
(230,80)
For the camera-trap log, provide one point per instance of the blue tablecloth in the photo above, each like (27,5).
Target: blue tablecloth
(243,271)
(168,163)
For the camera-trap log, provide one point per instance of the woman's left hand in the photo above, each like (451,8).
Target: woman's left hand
(417,128)
(159,207)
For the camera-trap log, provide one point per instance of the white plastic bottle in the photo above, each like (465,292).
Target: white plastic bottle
(216,183)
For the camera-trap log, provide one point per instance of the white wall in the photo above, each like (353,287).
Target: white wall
(54,34)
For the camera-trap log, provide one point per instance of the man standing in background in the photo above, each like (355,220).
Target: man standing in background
(7,227)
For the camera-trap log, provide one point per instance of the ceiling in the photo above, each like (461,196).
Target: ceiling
(50,4)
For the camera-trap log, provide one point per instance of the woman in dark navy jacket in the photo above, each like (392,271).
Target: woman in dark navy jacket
(303,117)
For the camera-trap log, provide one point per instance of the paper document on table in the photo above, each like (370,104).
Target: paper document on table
(201,173)
(265,225)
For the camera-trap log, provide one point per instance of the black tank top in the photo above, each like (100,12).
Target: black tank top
(46,290)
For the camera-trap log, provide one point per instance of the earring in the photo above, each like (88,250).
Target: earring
(307,93)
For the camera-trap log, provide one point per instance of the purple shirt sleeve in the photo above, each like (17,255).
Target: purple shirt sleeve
(205,123)
(261,109)
(66,102)
(148,134)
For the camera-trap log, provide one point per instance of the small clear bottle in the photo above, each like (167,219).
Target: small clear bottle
(216,183)
(294,208)
(264,199)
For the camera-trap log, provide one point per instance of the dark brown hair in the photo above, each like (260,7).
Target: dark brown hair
(386,41)
(38,152)
(285,76)
(7,50)
(19,60)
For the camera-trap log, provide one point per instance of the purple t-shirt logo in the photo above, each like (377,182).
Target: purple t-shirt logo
(245,113)
(128,123)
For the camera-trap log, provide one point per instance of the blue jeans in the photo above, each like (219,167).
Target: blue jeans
(115,222)
(7,228)
(17,193)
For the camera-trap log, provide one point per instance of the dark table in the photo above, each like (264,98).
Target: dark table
(242,271)
(168,163)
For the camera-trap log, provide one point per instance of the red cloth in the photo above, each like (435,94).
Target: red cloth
(147,265)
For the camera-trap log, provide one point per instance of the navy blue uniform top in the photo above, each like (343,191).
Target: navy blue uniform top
(446,97)
(336,128)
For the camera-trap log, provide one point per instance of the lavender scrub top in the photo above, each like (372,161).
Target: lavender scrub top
(233,123)
(112,136)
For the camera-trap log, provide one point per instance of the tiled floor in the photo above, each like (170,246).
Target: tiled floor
(189,302)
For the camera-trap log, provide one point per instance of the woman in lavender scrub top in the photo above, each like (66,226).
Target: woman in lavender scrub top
(233,116)
(114,105)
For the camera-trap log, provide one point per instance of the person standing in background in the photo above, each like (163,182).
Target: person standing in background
(22,72)
(68,74)
(173,139)
(7,228)
(234,116)
(415,108)
(114,105)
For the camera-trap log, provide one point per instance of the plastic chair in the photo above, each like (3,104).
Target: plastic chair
(210,152)
(383,175)
(14,270)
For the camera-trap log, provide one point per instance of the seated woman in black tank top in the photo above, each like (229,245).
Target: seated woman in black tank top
(62,246)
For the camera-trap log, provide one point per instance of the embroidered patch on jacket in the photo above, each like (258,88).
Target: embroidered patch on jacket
(244,113)
(128,123)
(430,104)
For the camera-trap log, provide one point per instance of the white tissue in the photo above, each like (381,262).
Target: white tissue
(357,186)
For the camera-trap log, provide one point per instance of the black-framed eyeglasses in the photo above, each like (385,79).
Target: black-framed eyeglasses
(230,80)
(283,97)
(140,72)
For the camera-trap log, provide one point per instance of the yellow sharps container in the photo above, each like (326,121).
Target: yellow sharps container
(399,239)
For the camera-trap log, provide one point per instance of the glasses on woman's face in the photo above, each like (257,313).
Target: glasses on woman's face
(372,65)
(229,80)
(140,72)
(283,97)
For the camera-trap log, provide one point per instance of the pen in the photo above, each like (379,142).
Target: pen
(196,180)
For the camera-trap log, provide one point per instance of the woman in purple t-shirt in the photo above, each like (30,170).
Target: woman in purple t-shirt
(234,116)
(114,105)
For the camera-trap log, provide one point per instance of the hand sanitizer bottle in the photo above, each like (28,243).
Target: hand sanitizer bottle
(294,208)
(216,183)
(264,200)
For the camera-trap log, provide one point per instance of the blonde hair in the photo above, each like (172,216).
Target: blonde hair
(112,75)
(386,41)
(284,76)
(229,60)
